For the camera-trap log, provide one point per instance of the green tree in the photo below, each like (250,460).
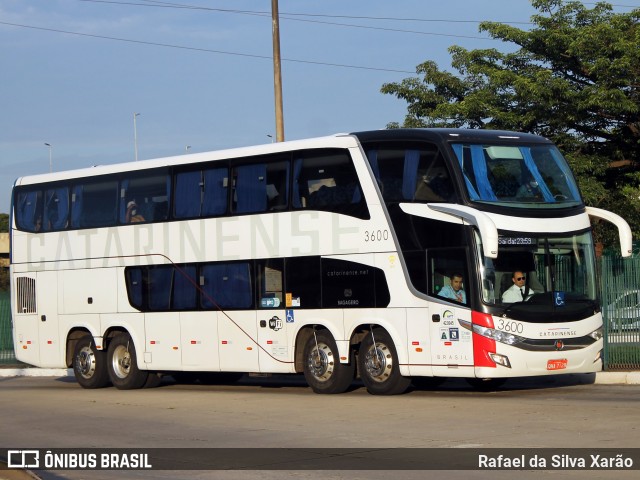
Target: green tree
(4,222)
(573,77)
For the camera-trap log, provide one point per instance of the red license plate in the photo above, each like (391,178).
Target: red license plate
(557,364)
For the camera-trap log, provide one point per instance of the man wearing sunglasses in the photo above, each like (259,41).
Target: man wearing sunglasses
(519,291)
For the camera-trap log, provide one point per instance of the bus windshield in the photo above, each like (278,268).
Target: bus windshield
(535,274)
(535,176)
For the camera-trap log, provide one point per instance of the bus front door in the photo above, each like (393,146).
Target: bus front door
(451,344)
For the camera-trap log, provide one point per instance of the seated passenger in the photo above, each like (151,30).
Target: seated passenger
(454,291)
(132,215)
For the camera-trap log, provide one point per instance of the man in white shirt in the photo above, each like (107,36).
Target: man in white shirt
(518,292)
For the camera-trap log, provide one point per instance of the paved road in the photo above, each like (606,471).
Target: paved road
(553,412)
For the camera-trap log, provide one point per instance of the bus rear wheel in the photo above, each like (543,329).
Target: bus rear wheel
(378,365)
(322,368)
(123,364)
(90,364)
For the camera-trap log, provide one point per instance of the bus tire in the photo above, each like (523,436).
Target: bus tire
(122,363)
(378,365)
(90,364)
(322,368)
(153,380)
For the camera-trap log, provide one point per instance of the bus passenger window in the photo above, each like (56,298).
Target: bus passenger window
(148,196)
(261,187)
(226,286)
(94,204)
(328,181)
(159,281)
(28,209)
(303,282)
(56,209)
(270,283)
(185,293)
(201,193)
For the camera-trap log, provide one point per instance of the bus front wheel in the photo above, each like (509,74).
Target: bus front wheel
(378,365)
(90,364)
(322,368)
(123,365)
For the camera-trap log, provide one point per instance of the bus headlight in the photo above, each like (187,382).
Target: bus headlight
(596,334)
(492,333)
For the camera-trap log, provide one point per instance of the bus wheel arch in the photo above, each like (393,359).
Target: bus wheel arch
(378,364)
(89,364)
(323,370)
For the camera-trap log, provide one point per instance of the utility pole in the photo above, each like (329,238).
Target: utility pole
(135,136)
(277,73)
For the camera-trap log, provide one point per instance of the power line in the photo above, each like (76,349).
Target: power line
(206,50)
(160,4)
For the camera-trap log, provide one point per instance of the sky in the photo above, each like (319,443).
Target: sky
(199,72)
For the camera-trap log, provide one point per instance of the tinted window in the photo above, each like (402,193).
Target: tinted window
(226,286)
(328,181)
(201,193)
(261,187)
(28,208)
(56,209)
(303,282)
(407,173)
(349,285)
(94,204)
(270,283)
(144,199)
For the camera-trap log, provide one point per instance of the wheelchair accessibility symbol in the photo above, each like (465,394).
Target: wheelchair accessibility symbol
(558,298)
(289,316)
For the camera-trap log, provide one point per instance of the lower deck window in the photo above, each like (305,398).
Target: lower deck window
(300,282)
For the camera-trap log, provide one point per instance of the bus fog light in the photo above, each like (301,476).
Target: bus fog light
(500,359)
(596,334)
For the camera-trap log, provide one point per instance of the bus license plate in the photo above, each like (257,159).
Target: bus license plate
(557,364)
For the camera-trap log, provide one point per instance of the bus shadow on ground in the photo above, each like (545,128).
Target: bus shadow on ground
(423,384)
(429,384)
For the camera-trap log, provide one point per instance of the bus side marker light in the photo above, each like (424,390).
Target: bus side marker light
(175,348)
(419,350)
(343,358)
(415,343)
(28,342)
(24,347)
(249,348)
(49,342)
(224,342)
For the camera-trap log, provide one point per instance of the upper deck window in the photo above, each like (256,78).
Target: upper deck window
(411,173)
(517,176)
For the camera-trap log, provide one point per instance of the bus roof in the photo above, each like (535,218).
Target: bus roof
(339,140)
(449,135)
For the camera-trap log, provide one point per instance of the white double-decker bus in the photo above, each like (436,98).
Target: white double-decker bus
(383,254)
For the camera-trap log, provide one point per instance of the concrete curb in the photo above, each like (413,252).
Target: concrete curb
(602,378)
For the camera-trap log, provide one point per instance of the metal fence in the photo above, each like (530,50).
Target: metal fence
(620,297)
(6,337)
(619,293)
